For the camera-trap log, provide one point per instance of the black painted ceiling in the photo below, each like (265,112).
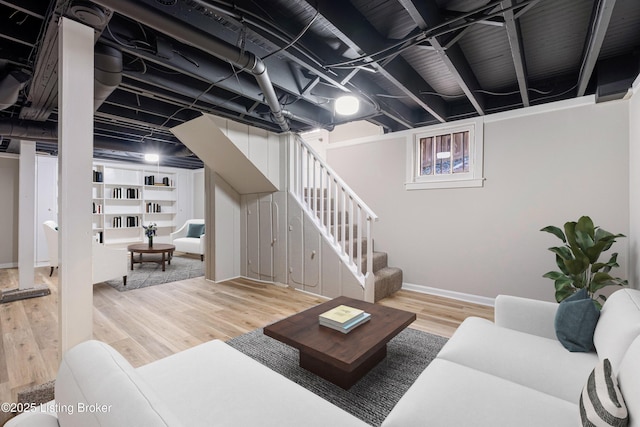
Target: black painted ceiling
(411,63)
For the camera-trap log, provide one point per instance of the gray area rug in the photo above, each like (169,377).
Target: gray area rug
(150,273)
(373,397)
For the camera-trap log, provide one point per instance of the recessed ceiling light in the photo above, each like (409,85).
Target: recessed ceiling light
(151,157)
(347,105)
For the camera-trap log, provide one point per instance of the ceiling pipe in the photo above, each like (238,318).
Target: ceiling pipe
(31,130)
(107,73)
(202,40)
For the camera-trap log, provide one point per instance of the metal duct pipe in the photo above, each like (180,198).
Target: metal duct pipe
(107,73)
(199,39)
(10,88)
(29,130)
(32,130)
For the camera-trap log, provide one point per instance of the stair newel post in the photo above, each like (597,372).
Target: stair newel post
(293,166)
(307,185)
(321,215)
(350,233)
(343,223)
(327,207)
(369,278)
(314,174)
(299,174)
(336,209)
(369,247)
(358,234)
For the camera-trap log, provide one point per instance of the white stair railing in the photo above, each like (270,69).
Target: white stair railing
(337,210)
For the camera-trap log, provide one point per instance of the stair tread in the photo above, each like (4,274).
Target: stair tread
(379,261)
(387,281)
(387,272)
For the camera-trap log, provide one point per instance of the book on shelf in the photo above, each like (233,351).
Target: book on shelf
(341,314)
(348,326)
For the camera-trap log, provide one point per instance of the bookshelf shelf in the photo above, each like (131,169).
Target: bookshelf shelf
(125,198)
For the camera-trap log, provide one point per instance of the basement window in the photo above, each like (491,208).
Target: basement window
(446,157)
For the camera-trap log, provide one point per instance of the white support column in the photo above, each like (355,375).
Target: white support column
(26,215)
(75,142)
(210,221)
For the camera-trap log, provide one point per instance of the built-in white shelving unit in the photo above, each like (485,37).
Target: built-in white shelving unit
(125,199)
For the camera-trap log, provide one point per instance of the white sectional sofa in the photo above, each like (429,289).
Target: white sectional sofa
(208,385)
(514,372)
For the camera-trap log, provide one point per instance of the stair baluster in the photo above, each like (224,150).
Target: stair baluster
(337,210)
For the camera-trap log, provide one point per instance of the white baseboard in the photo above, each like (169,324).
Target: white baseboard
(460,296)
(9,265)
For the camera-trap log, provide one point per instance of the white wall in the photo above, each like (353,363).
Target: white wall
(198,193)
(227,230)
(353,130)
(9,169)
(46,203)
(540,169)
(634,187)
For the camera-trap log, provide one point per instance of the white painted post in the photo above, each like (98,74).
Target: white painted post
(27,214)
(210,221)
(75,144)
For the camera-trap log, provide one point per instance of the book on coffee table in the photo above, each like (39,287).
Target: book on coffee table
(348,326)
(341,315)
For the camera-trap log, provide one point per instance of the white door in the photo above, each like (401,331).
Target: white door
(46,202)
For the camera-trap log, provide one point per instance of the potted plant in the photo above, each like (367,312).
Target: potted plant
(578,260)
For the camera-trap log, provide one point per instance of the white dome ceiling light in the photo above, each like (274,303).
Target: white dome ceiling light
(347,105)
(151,157)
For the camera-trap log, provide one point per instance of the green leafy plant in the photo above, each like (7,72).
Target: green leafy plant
(578,259)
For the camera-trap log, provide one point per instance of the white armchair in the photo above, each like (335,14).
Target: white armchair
(107,263)
(184,241)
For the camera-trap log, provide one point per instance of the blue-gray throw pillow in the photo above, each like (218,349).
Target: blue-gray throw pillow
(575,322)
(195,230)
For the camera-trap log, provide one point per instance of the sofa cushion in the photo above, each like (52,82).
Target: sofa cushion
(618,326)
(188,244)
(540,363)
(576,320)
(195,230)
(601,402)
(96,386)
(33,419)
(214,384)
(526,315)
(448,394)
(629,382)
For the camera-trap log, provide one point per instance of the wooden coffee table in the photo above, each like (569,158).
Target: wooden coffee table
(341,358)
(159,248)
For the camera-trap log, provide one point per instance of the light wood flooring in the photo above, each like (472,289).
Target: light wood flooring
(151,323)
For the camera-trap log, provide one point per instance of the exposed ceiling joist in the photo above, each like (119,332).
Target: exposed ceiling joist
(358,34)
(403,58)
(600,18)
(426,14)
(25,6)
(517,53)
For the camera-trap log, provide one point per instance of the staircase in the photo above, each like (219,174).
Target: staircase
(345,221)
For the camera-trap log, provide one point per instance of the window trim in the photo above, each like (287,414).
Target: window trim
(473,179)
